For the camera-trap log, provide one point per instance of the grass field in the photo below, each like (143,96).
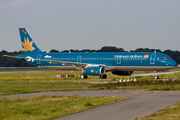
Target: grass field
(170,113)
(29,82)
(48,107)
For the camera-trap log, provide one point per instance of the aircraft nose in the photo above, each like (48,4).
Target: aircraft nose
(172,63)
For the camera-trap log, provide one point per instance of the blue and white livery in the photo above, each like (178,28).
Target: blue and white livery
(96,64)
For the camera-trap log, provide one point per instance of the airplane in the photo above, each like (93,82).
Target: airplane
(95,64)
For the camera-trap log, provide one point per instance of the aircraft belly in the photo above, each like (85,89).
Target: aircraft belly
(137,68)
(115,68)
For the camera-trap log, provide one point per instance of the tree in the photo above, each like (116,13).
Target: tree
(3,52)
(178,60)
(175,55)
(53,51)
(169,53)
(122,50)
(109,49)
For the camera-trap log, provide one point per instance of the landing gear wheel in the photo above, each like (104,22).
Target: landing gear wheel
(82,76)
(156,77)
(103,76)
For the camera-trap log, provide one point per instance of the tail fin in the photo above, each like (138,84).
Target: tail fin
(28,45)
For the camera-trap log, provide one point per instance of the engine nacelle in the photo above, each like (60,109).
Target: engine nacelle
(123,73)
(95,71)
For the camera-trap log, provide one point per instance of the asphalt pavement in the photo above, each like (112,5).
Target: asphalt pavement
(142,103)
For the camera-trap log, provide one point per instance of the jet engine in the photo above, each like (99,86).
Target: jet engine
(123,73)
(95,71)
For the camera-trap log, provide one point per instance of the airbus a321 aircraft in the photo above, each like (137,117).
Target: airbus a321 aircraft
(96,64)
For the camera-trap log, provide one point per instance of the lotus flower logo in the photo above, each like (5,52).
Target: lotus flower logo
(146,56)
(27,45)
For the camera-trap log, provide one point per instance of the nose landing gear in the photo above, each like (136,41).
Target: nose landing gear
(156,75)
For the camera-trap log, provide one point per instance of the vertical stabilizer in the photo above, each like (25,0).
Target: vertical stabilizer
(28,45)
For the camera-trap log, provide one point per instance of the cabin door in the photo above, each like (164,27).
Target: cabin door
(38,59)
(118,59)
(79,59)
(152,59)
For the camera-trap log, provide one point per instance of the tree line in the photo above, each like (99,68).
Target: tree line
(11,62)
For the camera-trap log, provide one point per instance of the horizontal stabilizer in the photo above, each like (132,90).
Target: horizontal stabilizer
(25,58)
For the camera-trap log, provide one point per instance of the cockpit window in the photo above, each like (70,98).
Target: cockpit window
(164,58)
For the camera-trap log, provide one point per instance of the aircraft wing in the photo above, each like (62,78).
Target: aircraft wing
(76,64)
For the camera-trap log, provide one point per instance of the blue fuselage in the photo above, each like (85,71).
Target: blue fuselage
(115,61)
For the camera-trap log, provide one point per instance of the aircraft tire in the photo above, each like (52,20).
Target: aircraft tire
(85,76)
(157,77)
(103,76)
(82,76)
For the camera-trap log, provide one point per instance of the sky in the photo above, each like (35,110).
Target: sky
(91,24)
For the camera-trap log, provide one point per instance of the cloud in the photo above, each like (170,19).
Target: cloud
(2,6)
(16,3)
(19,3)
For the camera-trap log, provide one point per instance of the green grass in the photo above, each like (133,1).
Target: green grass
(53,74)
(30,82)
(32,86)
(17,87)
(169,113)
(142,84)
(49,107)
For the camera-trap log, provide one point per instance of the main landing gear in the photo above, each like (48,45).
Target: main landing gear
(156,76)
(84,76)
(103,76)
